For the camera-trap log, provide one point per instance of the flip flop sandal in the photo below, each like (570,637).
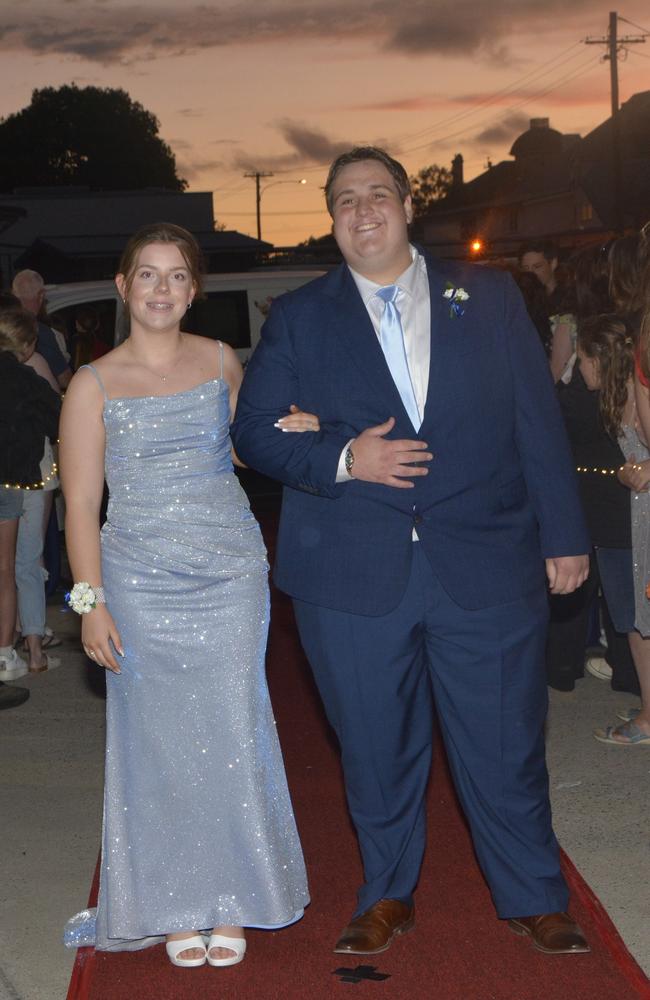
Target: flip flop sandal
(50,640)
(629,731)
(51,662)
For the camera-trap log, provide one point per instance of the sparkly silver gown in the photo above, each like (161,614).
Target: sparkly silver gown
(198,826)
(632,445)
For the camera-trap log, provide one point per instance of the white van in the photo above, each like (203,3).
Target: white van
(233,307)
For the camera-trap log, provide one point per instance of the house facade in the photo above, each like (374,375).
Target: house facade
(556,186)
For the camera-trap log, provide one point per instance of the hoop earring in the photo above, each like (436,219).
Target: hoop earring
(189,305)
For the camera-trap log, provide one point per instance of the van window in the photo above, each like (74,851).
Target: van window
(221,316)
(93,335)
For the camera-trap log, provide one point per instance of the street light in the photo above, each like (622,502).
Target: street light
(259,191)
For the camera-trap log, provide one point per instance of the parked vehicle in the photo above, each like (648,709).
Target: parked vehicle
(233,307)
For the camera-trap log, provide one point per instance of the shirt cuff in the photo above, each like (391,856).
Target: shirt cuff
(342,474)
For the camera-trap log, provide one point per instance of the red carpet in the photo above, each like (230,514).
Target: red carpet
(458,949)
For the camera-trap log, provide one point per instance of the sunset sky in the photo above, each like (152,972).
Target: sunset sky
(283,86)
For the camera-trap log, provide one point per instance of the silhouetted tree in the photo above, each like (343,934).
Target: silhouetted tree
(90,136)
(429,184)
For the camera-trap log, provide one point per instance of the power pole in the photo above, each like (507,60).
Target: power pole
(614,44)
(258,175)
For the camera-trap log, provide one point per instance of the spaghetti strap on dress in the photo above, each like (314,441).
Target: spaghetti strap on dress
(99,378)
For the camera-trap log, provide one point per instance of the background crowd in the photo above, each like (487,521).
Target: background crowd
(591,314)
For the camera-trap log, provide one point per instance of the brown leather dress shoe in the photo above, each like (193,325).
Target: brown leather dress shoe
(552,933)
(374,930)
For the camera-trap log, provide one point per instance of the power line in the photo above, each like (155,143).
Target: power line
(614,44)
(538,73)
(492,98)
(635,52)
(567,78)
(633,25)
(551,65)
(315,211)
(230,192)
(533,74)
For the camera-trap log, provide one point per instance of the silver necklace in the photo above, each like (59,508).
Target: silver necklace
(163,378)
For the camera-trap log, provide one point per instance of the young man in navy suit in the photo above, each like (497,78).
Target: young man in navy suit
(421,528)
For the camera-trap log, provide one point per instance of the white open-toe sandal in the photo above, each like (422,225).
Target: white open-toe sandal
(175,948)
(238,945)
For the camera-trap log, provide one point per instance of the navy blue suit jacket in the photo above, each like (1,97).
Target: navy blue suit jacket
(501,492)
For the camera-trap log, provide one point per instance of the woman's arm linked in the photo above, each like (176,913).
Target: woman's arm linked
(81,456)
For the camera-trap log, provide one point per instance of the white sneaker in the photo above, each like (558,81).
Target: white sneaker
(11,664)
(598,667)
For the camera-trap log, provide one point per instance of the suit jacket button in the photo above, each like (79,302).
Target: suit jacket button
(417,519)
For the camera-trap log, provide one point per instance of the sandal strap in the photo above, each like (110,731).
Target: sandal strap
(238,945)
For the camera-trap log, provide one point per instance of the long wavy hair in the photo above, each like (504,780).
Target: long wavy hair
(606,340)
(624,262)
(591,274)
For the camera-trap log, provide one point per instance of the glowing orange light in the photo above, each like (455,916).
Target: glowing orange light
(476,246)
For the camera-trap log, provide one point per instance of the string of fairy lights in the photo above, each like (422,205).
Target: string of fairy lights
(35,486)
(53,474)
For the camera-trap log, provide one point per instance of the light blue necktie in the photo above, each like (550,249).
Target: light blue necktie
(391,337)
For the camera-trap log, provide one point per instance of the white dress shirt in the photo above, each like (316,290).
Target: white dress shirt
(415,310)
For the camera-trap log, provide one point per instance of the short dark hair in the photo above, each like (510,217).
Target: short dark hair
(394,168)
(545,247)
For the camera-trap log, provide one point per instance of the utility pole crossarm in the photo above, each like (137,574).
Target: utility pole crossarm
(614,44)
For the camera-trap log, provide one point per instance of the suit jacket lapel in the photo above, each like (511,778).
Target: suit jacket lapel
(442,335)
(352,324)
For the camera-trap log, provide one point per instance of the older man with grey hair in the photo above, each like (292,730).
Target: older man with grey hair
(29,287)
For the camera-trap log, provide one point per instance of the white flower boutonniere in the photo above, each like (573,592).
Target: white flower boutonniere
(455,297)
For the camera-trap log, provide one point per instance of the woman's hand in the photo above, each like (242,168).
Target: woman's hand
(98,630)
(635,475)
(298,421)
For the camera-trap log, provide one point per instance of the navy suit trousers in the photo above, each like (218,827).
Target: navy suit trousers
(379,678)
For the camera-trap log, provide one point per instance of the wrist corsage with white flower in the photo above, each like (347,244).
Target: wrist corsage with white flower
(455,296)
(83,598)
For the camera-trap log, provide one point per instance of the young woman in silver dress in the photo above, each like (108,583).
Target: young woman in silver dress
(199,839)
